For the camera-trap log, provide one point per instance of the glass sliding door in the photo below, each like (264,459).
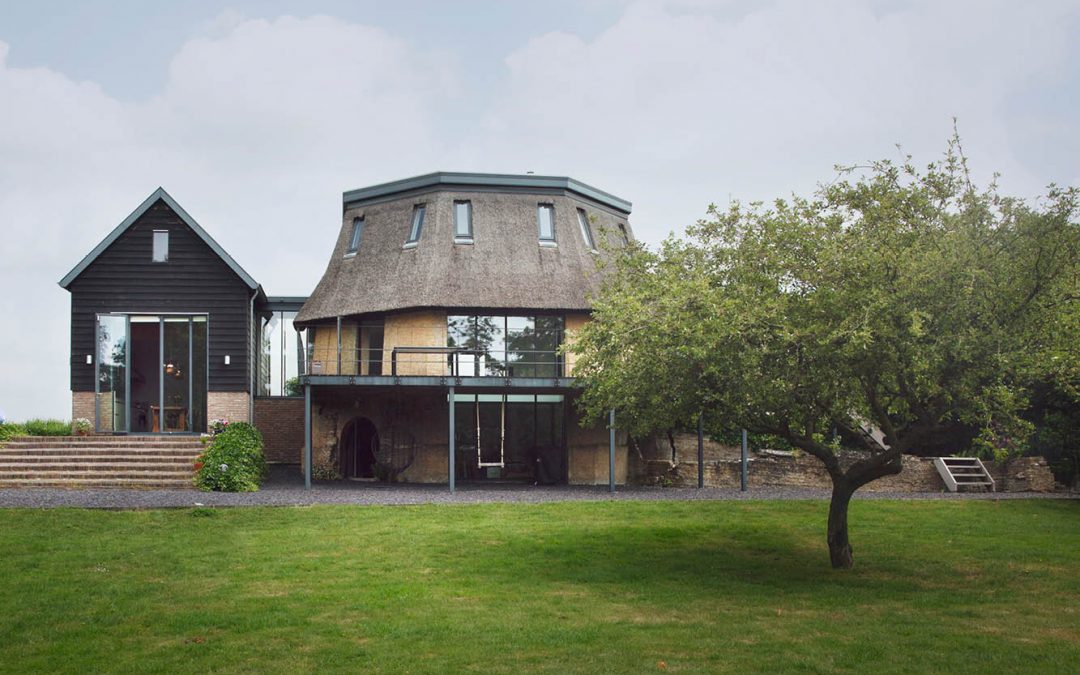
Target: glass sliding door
(111,395)
(145,339)
(151,374)
(174,414)
(199,361)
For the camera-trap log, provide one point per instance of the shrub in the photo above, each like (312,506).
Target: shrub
(48,428)
(233,462)
(10,430)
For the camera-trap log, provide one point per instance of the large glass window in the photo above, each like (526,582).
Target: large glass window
(510,437)
(281,361)
(501,345)
(112,352)
(151,373)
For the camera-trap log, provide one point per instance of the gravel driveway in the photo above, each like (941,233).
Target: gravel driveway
(286,488)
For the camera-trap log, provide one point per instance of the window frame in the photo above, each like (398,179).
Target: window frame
(553,239)
(355,237)
(458,237)
(586,230)
(154,247)
(416,228)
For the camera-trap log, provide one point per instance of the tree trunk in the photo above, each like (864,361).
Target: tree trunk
(839,546)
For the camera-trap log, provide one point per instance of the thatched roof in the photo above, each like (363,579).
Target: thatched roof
(505,267)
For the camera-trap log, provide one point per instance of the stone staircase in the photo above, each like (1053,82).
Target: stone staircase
(134,462)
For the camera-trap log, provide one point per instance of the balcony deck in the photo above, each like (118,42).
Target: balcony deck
(465,369)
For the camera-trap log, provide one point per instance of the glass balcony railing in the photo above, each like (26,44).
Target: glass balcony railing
(435,361)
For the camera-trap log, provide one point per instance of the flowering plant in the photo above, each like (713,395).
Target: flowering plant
(82,425)
(218,425)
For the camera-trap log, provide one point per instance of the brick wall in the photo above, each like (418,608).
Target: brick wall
(228,405)
(415,329)
(82,405)
(281,423)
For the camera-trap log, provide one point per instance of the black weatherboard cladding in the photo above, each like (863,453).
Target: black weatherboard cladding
(194,280)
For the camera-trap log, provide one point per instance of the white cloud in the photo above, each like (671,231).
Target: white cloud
(261,124)
(257,133)
(679,105)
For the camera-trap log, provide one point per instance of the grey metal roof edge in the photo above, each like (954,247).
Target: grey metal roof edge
(287,298)
(159,194)
(486,180)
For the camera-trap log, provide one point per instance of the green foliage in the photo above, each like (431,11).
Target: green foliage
(10,430)
(38,427)
(234,461)
(908,298)
(903,299)
(293,387)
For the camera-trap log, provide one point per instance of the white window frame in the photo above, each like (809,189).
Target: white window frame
(159,252)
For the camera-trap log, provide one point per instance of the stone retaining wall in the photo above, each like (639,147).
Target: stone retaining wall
(722,469)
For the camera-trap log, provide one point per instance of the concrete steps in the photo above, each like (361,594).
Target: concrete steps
(131,462)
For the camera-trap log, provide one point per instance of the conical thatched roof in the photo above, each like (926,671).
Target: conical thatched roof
(505,266)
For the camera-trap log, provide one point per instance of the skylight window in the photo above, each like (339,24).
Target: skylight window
(545,222)
(586,229)
(160,251)
(417,224)
(463,230)
(354,239)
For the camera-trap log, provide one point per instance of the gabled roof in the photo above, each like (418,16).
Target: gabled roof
(488,180)
(158,194)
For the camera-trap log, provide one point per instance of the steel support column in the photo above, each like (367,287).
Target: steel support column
(453,439)
(744,459)
(611,451)
(701,450)
(307,436)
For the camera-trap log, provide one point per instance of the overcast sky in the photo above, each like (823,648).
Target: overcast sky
(256,116)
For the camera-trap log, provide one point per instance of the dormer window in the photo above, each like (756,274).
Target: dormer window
(354,238)
(417,225)
(545,222)
(160,251)
(463,231)
(586,229)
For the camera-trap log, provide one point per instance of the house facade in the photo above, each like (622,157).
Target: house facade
(162,326)
(432,349)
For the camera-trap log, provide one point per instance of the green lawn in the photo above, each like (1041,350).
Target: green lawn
(957,586)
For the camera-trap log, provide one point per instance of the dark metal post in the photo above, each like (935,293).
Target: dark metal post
(307,436)
(453,440)
(745,458)
(161,378)
(611,451)
(701,450)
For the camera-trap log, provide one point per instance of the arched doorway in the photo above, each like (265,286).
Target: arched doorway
(358,448)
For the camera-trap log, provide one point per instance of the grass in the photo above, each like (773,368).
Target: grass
(957,586)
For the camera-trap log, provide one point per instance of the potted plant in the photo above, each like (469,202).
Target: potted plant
(82,426)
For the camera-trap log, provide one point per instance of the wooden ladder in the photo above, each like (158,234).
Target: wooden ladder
(958,472)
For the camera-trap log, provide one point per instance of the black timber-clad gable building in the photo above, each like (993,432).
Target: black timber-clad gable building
(162,326)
